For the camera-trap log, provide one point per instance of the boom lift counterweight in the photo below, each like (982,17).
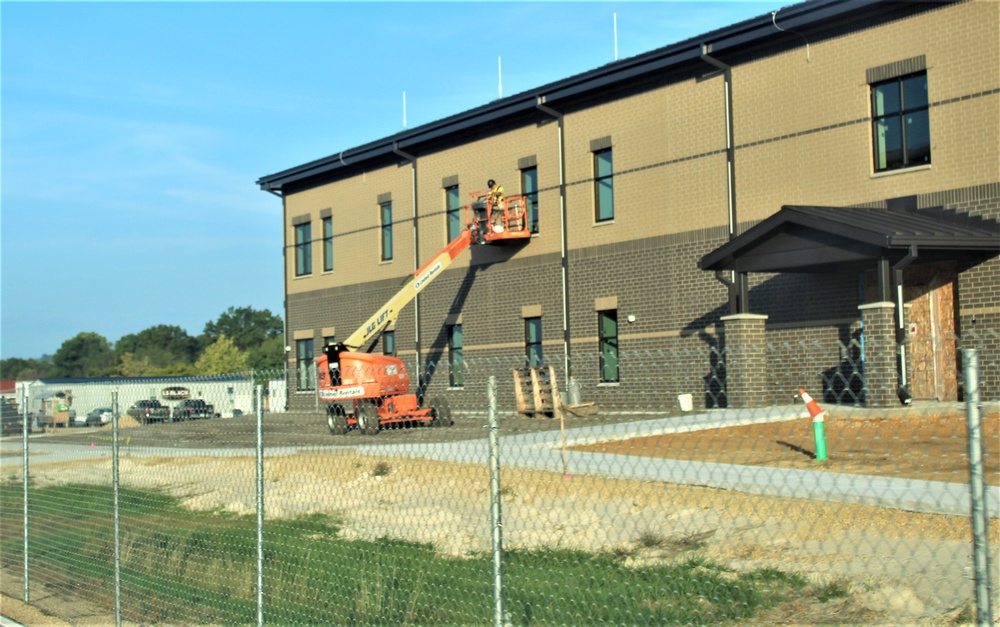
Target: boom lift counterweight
(378,386)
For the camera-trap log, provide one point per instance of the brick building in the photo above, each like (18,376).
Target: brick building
(826,175)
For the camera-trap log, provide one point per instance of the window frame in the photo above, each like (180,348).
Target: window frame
(303,249)
(530,192)
(880,127)
(453,214)
(386,251)
(533,352)
(608,344)
(328,244)
(604,186)
(305,365)
(456,361)
(389,342)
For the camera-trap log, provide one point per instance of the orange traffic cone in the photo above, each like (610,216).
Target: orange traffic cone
(819,428)
(813,407)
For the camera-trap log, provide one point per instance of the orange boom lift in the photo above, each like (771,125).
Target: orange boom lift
(378,386)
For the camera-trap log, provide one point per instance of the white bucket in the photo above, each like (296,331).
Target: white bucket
(686,401)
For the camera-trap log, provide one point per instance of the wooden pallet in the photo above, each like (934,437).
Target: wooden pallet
(537,392)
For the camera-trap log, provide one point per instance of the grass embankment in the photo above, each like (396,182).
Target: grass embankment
(179,566)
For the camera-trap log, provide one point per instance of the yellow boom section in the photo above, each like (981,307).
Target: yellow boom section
(388,313)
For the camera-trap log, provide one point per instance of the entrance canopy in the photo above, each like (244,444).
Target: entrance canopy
(838,239)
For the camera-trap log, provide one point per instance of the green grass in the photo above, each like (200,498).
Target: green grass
(180,566)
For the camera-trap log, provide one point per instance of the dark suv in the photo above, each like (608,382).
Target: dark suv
(194,408)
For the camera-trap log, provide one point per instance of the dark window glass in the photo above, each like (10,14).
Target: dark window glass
(607,330)
(305,365)
(456,365)
(529,187)
(327,244)
(604,186)
(386,220)
(533,341)
(303,249)
(453,212)
(389,343)
(901,132)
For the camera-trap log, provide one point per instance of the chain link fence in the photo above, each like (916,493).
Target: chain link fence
(608,489)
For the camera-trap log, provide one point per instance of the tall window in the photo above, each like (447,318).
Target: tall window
(386,221)
(327,244)
(604,186)
(607,333)
(456,365)
(901,123)
(305,365)
(533,341)
(453,211)
(303,249)
(389,343)
(529,187)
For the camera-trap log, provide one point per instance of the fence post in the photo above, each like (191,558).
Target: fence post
(117,511)
(25,427)
(494,426)
(980,548)
(258,402)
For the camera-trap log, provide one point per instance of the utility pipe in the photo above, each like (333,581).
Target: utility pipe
(416,259)
(564,260)
(897,275)
(727,74)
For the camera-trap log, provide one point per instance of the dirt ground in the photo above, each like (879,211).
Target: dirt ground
(898,567)
(931,448)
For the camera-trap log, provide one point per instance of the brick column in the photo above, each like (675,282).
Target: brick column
(881,375)
(746,360)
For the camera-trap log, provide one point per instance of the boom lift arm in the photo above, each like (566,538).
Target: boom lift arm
(378,385)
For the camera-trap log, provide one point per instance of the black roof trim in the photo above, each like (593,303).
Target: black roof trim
(798,238)
(749,33)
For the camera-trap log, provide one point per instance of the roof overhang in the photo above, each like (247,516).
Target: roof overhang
(834,239)
(749,35)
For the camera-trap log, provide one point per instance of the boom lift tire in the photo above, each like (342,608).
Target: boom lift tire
(442,413)
(336,419)
(367,415)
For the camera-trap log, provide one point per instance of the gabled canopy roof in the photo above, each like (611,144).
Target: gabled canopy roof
(834,239)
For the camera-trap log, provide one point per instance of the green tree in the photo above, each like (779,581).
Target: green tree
(268,356)
(221,357)
(161,347)
(22,369)
(247,327)
(88,354)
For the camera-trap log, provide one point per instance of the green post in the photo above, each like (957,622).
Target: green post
(819,431)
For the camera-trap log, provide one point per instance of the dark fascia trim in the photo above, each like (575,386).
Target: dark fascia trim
(746,34)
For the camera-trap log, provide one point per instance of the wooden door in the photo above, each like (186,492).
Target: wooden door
(929,296)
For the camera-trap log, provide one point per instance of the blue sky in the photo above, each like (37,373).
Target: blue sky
(132,134)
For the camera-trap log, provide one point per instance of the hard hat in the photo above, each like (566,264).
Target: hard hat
(490,183)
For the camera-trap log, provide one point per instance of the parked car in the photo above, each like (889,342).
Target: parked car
(74,420)
(149,411)
(194,408)
(99,417)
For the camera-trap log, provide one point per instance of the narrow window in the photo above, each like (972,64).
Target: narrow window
(327,244)
(305,365)
(303,249)
(604,186)
(607,332)
(389,343)
(533,341)
(529,187)
(456,365)
(386,221)
(453,212)
(901,123)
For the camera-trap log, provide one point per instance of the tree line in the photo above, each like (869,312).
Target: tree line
(241,339)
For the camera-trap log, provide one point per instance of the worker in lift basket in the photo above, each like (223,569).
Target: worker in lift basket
(494,202)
